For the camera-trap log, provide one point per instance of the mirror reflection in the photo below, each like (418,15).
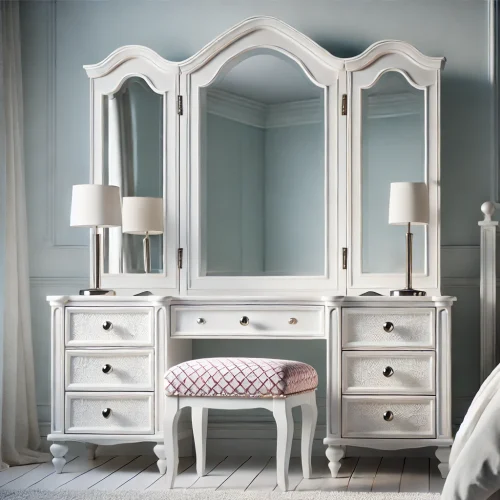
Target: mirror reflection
(133,159)
(393,150)
(262,170)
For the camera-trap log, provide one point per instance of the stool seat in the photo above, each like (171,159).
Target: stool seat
(240,377)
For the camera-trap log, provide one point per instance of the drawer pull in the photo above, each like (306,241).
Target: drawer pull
(245,321)
(388,371)
(107,325)
(107,369)
(388,327)
(388,416)
(201,321)
(106,412)
(292,321)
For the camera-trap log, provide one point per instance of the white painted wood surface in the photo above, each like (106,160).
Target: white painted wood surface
(257,473)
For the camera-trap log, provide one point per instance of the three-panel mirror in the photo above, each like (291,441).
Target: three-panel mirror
(262,163)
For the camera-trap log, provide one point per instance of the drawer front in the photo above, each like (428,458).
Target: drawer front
(369,417)
(129,414)
(273,321)
(385,372)
(385,328)
(110,370)
(113,326)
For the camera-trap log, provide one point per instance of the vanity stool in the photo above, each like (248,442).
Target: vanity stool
(235,384)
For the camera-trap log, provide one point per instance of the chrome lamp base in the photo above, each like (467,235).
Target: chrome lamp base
(97,291)
(408,292)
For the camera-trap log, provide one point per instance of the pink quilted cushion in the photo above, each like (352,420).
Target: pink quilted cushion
(240,377)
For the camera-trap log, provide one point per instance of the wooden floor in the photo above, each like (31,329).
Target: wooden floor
(233,472)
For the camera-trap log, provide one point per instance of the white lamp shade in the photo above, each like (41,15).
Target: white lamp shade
(409,203)
(95,205)
(142,215)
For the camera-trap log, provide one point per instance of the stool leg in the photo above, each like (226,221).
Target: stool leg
(199,417)
(309,418)
(282,413)
(171,438)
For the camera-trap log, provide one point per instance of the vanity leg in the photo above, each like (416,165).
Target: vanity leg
(334,455)
(58,451)
(91,449)
(159,451)
(443,455)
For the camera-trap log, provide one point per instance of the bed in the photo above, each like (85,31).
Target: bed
(475,455)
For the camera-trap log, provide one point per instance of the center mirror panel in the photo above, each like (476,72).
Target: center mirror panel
(262,132)
(133,160)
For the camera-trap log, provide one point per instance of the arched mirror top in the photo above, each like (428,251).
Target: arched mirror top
(386,48)
(122,55)
(390,73)
(266,33)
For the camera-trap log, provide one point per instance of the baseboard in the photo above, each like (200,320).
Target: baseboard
(248,438)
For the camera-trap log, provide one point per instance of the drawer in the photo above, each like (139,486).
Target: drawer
(109,413)
(393,372)
(110,370)
(388,417)
(263,321)
(110,326)
(388,328)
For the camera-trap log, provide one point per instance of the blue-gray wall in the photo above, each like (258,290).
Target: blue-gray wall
(58,38)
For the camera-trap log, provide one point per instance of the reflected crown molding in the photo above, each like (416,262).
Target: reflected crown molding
(257,114)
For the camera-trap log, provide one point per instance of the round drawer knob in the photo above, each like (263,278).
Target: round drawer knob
(388,416)
(106,412)
(388,371)
(201,321)
(245,321)
(107,368)
(107,325)
(388,326)
(292,321)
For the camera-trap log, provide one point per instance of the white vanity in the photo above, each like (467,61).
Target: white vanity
(274,159)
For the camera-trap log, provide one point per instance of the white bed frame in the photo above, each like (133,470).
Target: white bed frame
(488,290)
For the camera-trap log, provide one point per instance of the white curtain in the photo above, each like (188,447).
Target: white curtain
(20,437)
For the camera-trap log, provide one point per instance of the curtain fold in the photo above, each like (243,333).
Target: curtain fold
(20,437)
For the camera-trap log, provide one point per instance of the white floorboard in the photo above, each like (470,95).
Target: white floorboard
(257,473)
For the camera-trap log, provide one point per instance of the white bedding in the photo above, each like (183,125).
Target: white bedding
(475,455)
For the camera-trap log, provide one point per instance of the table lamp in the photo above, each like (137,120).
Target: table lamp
(409,204)
(95,206)
(143,215)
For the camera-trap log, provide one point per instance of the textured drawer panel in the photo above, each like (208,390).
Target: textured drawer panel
(110,370)
(404,328)
(129,414)
(199,321)
(412,417)
(124,327)
(392,372)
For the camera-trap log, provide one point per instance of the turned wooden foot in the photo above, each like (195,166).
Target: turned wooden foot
(58,451)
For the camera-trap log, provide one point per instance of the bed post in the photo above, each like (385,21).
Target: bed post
(488,290)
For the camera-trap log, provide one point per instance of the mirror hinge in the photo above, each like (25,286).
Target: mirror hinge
(180,106)
(179,257)
(344,258)
(344,104)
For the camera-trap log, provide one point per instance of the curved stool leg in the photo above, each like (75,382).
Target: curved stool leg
(199,417)
(309,418)
(171,438)
(282,413)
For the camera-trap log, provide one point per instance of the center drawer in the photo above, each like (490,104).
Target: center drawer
(241,320)
(388,372)
(110,370)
